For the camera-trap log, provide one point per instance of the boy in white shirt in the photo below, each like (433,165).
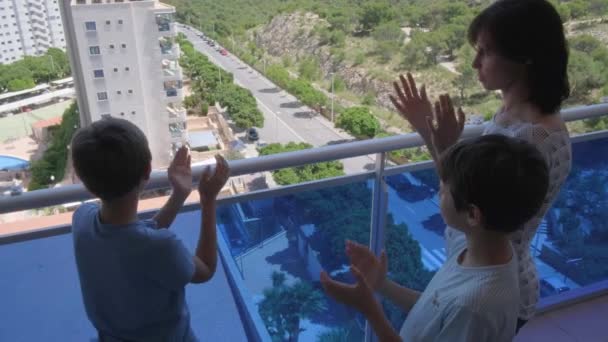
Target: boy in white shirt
(490,186)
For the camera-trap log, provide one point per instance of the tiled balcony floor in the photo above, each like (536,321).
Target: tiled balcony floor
(583,322)
(41,299)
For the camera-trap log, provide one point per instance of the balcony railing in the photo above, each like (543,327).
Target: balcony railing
(165,22)
(285,229)
(176,113)
(171,69)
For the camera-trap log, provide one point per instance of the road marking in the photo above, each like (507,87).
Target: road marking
(281,120)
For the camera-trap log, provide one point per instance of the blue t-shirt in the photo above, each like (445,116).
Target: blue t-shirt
(133,278)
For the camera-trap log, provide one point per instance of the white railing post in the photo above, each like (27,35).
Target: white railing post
(378,221)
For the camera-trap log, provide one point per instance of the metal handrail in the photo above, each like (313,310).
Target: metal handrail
(159,180)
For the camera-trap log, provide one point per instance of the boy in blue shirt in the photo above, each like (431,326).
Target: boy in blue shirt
(490,186)
(133,272)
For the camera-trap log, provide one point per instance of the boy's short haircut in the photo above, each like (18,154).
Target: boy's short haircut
(111,157)
(506,178)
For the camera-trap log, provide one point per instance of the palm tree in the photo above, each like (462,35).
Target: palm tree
(284,306)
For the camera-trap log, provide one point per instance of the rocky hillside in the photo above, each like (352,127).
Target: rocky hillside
(294,35)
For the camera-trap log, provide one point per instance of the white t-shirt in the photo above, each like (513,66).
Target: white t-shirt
(466,303)
(555,146)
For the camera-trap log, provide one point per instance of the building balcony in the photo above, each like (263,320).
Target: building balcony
(176,113)
(171,69)
(173,89)
(168,47)
(289,230)
(173,94)
(166,24)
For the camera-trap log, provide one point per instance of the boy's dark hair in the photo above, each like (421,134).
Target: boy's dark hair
(111,157)
(506,178)
(529,32)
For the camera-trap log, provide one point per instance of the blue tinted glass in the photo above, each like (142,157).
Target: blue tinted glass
(570,248)
(294,237)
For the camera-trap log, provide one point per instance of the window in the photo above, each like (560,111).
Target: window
(133,113)
(120,21)
(98,73)
(122,113)
(130,91)
(94,50)
(127,69)
(124,46)
(115,69)
(102,96)
(90,26)
(118,92)
(108,22)
(106,116)
(111,46)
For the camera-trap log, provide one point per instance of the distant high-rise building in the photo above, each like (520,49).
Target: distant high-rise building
(29,28)
(124,62)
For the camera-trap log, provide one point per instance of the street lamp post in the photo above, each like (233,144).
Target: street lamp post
(332,97)
(52,63)
(276,127)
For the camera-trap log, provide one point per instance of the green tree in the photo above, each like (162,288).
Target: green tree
(279,75)
(240,104)
(578,8)
(306,173)
(389,38)
(572,235)
(585,43)
(54,160)
(374,14)
(344,212)
(584,74)
(309,69)
(406,155)
(414,54)
(21,84)
(306,93)
(359,122)
(466,78)
(285,305)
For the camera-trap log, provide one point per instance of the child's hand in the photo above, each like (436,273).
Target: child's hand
(372,268)
(180,173)
(359,295)
(211,185)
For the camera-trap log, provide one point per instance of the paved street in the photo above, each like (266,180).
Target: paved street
(285,118)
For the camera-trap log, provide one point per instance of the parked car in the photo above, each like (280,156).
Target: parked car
(252,134)
(552,286)
(223,52)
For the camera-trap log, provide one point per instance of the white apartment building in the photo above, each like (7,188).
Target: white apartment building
(124,62)
(29,28)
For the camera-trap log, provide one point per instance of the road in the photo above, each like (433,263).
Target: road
(285,118)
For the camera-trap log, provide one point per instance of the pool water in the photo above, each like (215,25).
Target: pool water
(8,163)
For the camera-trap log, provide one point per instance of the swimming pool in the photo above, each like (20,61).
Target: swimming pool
(8,163)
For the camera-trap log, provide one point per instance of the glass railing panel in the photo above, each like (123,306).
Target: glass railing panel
(414,233)
(573,239)
(281,244)
(570,248)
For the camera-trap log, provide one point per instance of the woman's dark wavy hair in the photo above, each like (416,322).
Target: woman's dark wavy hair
(529,32)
